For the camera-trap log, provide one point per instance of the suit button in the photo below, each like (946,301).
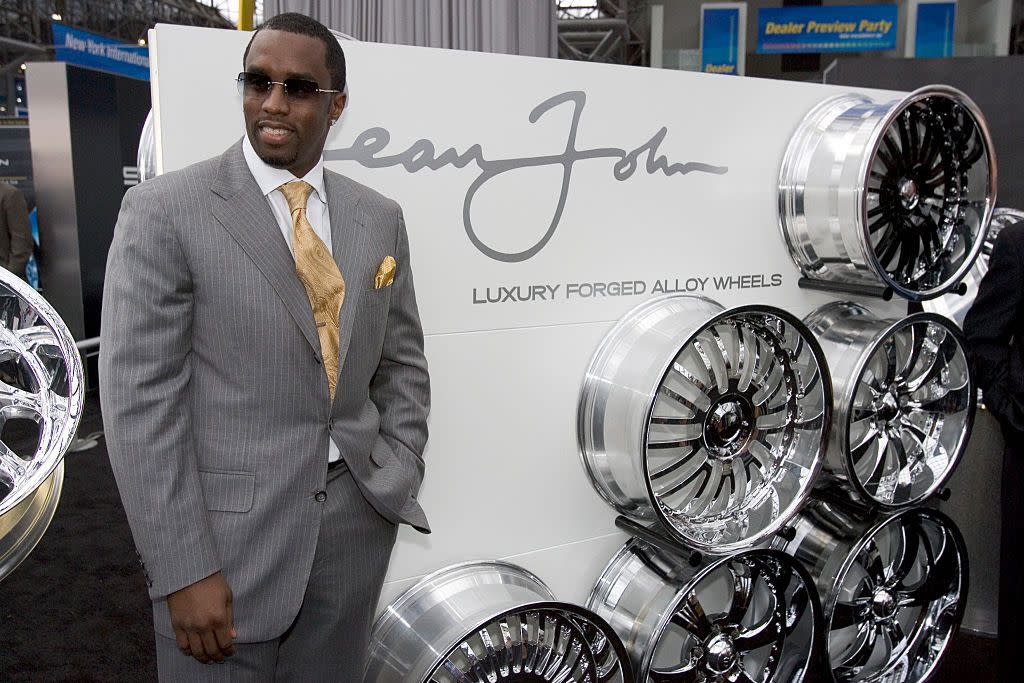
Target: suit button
(320,496)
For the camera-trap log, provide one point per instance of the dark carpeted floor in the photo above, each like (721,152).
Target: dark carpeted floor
(77,610)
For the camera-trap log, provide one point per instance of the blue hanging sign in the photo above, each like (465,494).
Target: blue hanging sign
(723,39)
(94,51)
(934,29)
(838,28)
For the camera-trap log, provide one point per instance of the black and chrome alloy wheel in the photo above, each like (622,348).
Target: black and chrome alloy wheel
(905,402)
(896,194)
(893,587)
(752,617)
(710,421)
(491,621)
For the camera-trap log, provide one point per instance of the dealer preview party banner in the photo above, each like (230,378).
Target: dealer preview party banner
(844,28)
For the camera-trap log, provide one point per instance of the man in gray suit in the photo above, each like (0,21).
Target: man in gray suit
(265,446)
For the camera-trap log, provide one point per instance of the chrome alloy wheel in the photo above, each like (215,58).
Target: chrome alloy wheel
(893,587)
(41,394)
(905,402)
(750,617)
(955,306)
(491,621)
(712,422)
(896,194)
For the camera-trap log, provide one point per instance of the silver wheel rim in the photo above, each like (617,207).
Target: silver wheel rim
(753,616)
(737,415)
(491,621)
(40,381)
(895,194)
(22,527)
(894,610)
(908,411)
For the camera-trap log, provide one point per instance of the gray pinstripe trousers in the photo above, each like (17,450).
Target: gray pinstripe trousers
(328,639)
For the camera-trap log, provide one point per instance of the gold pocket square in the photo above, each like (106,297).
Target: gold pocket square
(385,274)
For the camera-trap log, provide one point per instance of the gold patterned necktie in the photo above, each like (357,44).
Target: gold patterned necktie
(319,274)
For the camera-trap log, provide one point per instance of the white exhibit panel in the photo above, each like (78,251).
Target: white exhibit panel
(543,199)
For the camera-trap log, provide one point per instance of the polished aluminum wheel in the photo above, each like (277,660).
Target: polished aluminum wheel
(896,194)
(753,616)
(905,402)
(711,421)
(955,306)
(41,389)
(491,621)
(893,587)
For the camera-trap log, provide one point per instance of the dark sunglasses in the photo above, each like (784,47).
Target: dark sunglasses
(295,88)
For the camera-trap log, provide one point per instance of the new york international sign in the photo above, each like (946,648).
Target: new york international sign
(839,28)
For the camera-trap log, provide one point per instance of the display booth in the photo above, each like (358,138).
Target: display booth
(662,305)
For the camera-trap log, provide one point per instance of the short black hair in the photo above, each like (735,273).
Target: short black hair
(293,22)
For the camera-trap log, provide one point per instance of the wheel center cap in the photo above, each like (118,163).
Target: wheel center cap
(887,407)
(883,604)
(721,654)
(908,194)
(728,426)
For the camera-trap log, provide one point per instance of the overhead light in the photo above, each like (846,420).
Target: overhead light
(142,42)
(24,66)
(19,100)
(56,17)
(3,109)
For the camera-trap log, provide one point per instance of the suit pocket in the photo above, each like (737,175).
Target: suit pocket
(227,491)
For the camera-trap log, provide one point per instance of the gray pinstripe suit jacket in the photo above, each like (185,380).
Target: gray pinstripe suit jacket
(214,398)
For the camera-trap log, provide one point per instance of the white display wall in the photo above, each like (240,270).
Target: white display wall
(544,199)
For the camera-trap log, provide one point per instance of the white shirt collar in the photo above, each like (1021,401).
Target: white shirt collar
(270,178)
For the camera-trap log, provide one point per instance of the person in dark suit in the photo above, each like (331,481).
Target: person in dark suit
(264,386)
(15,231)
(995,332)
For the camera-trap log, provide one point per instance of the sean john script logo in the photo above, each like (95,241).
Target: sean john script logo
(367,148)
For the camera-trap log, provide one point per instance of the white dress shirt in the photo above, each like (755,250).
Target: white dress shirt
(269,179)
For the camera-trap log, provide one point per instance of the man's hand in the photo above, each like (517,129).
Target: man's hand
(202,619)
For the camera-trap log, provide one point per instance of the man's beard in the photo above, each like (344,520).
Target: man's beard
(284,162)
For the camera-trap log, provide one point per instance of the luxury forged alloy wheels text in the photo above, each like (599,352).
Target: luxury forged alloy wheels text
(893,587)
(905,401)
(711,421)
(41,396)
(750,617)
(897,194)
(955,306)
(491,621)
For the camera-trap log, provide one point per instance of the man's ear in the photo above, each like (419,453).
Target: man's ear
(338,105)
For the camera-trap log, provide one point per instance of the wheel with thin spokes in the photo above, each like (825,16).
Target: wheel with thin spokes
(906,401)
(896,194)
(893,587)
(491,621)
(711,421)
(752,617)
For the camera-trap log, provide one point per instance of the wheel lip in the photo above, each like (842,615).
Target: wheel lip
(827,400)
(30,538)
(947,525)
(586,392)
(850,393)
(961,98)
(701,572)
(76,394)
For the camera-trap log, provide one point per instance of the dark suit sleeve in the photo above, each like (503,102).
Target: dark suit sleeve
(145,369)
(400,388)
(991,323)
(20,229)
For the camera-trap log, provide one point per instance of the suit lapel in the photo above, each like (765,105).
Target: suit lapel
(246,215)
(349,243)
